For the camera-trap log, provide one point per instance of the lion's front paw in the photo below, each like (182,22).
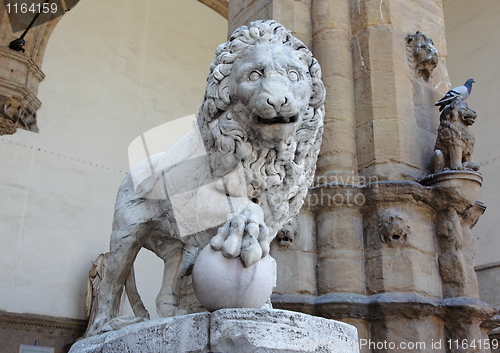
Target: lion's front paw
(243,235)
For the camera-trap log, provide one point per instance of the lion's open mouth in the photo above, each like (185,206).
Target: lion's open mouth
(278,120)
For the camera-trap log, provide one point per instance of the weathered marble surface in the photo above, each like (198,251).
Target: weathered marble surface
(228,331)
(220,282)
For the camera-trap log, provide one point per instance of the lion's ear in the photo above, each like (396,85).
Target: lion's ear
(318,93)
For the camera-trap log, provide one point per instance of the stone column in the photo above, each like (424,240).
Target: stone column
(339,224)
(336,196)
(332,47)
(384,261)
(293,14)
(395,117)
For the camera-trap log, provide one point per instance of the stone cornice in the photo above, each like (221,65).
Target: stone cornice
(487,266)
(14,88)
(437,197)
(372,307)
(25,60)
(42,323)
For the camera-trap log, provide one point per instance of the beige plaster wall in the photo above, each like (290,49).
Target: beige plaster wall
(473,41)
(115,69)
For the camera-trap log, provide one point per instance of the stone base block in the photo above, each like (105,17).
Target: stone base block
(228,331)
(466,182)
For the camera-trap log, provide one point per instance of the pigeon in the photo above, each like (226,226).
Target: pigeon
(458,93)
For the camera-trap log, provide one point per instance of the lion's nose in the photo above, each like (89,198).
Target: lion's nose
(277,102)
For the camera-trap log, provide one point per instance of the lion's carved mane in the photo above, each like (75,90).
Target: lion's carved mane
(277,182)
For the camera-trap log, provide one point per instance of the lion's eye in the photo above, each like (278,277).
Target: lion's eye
(254,76)
(293,75)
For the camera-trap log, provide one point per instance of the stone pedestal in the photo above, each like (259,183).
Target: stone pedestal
(228,331)
(466,182)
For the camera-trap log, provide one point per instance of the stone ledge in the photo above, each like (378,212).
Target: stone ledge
(228,331)
(439,198)
(487,266)
(42,323)
(372,307)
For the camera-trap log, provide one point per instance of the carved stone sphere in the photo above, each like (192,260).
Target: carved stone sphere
(221,283)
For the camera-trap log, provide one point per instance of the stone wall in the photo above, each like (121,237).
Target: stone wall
(395,257)
(488,277)
(113,70)
(26,329)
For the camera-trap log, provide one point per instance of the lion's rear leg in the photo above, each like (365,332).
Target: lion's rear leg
(178,258)
(134,297)
(125,244)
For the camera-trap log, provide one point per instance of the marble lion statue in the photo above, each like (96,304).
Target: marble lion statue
(234,181)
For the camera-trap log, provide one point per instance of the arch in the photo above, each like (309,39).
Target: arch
(219,6)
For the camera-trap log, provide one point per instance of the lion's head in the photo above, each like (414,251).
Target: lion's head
(454,125)
(263,108)
(393,226)
(424,54)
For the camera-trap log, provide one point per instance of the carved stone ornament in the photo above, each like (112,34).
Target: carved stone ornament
(14,114)
(237,178)
(449,226)
(28,120)
(393,226)
(11,111)
(423,54)
(455,143)
(96,274)
(287,235)
(451,162)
